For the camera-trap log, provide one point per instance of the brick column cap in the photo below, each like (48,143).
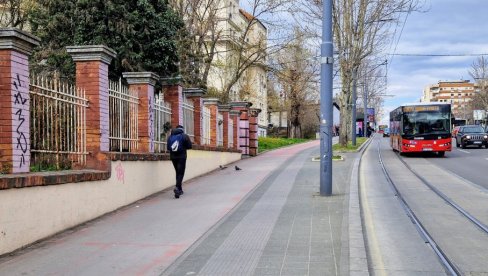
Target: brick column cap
(211,101)
(194,92)
(224,107)
(241,104)
(141,77)
(169,81)
(91,53)
(17,40)
(235,112)
(254,112)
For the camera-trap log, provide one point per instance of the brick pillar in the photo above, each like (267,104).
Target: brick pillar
(243,107)
(143,83)
(253,131)
(224,110)
(212,104)
(173,94)
(15,49)
(235,116)
(195,94)
(92,63)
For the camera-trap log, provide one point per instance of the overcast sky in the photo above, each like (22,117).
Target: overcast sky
(447,27)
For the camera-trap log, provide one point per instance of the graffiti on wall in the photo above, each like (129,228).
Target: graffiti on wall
(120,172)
(20,106)
(151,123)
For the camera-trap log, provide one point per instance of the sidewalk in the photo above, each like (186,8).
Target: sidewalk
(266,219)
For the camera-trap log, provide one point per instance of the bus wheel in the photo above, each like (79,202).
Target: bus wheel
(441,153)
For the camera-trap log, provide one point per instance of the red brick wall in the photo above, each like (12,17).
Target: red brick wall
(92,76)
(197,119)
(145,120)
(173,94)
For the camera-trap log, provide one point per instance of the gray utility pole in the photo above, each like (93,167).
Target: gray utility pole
(326,104)
(354,87)
(365,99)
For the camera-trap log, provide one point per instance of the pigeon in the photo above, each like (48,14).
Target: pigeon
(238,169)
(222,167)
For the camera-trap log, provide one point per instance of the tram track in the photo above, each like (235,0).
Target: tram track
(444,259)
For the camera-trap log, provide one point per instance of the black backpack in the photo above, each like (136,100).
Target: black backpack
(176,143)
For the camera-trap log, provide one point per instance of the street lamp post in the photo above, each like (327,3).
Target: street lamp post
(326,120)
(353,117)
(365,117)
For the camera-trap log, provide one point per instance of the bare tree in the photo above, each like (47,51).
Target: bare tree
(197,41)
(479,72)
(361,30)
(297,74)
(223,41)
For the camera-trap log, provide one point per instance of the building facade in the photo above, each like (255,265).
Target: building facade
(240,50)
(458,93)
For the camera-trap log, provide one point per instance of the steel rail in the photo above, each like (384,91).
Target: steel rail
(449,201)
(444,259)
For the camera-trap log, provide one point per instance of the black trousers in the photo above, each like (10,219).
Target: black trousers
(180,166)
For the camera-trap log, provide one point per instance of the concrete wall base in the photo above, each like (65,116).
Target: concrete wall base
(30,214)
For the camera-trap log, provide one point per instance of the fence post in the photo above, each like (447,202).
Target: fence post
(212,104)
(253,131)
(196,94)
(243,107)
(173,94)
(235,116)
(15,48)
(92,63)
(224,109)
(143,83)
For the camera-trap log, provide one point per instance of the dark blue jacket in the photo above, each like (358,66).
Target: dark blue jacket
(186,144)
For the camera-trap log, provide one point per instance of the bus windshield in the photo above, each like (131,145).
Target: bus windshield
(421,123)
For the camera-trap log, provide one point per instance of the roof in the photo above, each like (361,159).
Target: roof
(427,103)
(251,17)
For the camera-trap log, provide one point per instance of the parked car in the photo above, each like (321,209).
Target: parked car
(471,135)
(386,132)
(455,131)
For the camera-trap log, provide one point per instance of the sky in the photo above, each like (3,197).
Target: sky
(446,27)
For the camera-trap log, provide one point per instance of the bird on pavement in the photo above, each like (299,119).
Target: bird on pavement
(222,167)
(238,169)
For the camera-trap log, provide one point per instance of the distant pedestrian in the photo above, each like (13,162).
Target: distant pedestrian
(369,131)
(178,144)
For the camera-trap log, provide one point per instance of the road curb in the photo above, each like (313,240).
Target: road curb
(358,261)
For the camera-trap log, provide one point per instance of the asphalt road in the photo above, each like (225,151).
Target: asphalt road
(393,243)
(463,242)
(470,163)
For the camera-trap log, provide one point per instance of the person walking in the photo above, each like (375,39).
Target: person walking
(178,143)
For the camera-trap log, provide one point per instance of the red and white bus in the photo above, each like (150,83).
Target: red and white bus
(421,127)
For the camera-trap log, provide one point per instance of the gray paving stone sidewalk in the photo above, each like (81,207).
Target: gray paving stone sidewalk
(282,228)
(266,219)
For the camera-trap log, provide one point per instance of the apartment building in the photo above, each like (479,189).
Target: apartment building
(235,24)
(458,93)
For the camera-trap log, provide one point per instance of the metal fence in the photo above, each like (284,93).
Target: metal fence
(220,130)
(58,124)
(206,125)
(162,123)
(123,113)
(188,121)
(231,133)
